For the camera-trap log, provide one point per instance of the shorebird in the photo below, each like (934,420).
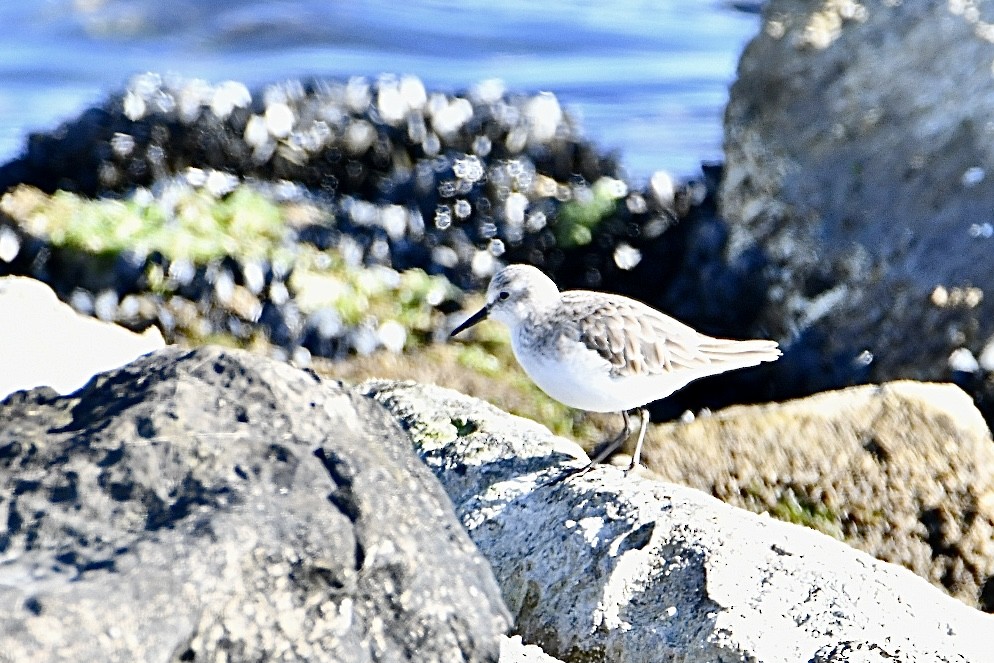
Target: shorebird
(602,352)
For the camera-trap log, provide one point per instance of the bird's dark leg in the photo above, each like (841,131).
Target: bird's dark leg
(609,447)
(603,451)
(644,420)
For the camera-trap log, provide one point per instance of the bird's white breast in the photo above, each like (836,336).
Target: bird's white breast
(581,378)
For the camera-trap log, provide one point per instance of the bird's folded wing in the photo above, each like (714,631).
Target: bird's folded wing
(636,339)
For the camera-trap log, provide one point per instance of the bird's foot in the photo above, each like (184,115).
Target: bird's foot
(632,467)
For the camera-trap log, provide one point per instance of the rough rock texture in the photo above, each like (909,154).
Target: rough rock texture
(212,505)
(903,471)
(603,568)
(43,342)
(859,156)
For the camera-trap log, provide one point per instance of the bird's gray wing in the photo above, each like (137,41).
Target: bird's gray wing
(634,338)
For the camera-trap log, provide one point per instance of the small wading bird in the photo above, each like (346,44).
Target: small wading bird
(605,353)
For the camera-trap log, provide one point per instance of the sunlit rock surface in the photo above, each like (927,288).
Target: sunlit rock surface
(604,567)
(43,342)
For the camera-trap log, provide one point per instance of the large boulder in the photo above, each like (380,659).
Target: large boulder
(903,471)
(211,505)
(859,157)
(600,567)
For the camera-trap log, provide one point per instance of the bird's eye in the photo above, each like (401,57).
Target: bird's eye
(503,295)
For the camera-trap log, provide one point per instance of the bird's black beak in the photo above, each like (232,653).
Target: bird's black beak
(479,316)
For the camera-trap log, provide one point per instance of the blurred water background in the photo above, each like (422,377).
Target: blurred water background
(648,78)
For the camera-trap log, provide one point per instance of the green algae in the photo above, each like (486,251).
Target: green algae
(193,225)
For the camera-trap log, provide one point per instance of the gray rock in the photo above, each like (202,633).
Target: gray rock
(43,342)
(211,505)
(903,471)
(605,568)
(859,157)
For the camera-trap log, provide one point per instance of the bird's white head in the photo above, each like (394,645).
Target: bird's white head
(514,293)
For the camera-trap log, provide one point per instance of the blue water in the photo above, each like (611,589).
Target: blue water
(648,78)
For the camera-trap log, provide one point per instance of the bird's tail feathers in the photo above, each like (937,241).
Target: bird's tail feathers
(741,354)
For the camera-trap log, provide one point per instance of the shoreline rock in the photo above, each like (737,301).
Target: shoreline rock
(186,467)
(209,504)
(617,568)
(858,160)
(903,471)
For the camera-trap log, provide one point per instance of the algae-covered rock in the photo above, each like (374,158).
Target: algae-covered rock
(903,471)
